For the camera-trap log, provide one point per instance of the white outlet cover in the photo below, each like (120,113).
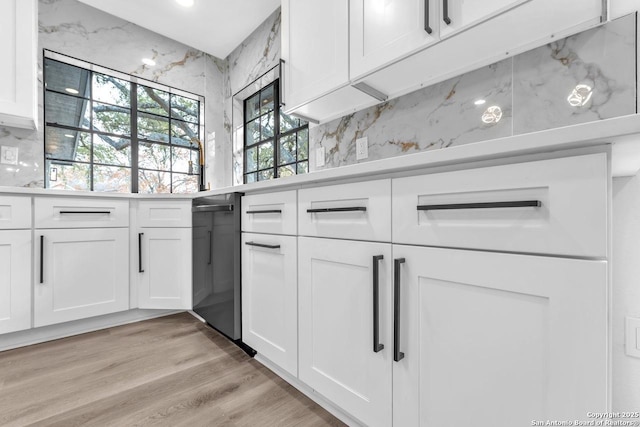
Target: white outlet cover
(9,155)
(320,153)
(362,148)
(632,332)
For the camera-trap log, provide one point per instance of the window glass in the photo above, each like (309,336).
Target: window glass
(97,137)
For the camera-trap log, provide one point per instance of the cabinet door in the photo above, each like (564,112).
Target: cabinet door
(18,32)
(509,338)
(315,48)
(336,325)
(384,31)
(456,15)
(270,298)
(15,280)
(80,273)
(164,268)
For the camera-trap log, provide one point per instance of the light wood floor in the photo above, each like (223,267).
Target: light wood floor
(171,371)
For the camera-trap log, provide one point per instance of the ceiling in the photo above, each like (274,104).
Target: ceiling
(213,26)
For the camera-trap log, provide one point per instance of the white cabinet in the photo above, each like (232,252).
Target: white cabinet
(18,46)
(164,269)
(15,280)
(163,272)
(270,297)
(508,338)
(337,320)
(80,273)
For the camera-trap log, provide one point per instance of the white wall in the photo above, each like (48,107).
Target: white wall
(626,289)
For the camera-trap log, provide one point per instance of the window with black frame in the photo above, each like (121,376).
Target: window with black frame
(107,133)
(275,144)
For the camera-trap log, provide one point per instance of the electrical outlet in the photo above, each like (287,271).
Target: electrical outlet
(362,148)
(320,153)
(9,155)
(632,341)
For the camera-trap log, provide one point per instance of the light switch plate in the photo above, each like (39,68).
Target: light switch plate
(632,341)
(320,153)
(9,155)
(362,148)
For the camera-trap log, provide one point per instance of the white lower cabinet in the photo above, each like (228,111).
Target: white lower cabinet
(80,273)
(495,339)
(164,268)
(15,280)
(336,280)
(270,298)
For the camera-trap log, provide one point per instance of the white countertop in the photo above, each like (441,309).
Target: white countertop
(623,133)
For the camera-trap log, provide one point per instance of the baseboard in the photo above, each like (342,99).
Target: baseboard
(309,392)
(67,329)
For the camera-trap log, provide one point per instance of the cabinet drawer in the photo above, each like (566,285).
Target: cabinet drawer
(58,212)
(359,211)
(273,213)
(496,208)
(15,212)
(165,213)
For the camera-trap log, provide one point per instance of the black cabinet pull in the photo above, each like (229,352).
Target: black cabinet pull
(267,211)
(427,27)
(140,270)
(210,247)
(41,259)
(262,245)
(397,354)
(445,12)
(488,205)
(351,209)
(377,346)
(281,83)
(86,212)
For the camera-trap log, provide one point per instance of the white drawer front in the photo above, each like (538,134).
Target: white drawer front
(360,211)
(164,213)
(571,218)
(62,212)
(273,213)
(15,212)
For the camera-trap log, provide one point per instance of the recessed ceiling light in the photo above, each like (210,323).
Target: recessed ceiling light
(68,135)
(185,3)
(149,62)
(71,90)
(480,102)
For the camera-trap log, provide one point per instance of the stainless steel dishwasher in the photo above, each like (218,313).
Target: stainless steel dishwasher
(216,262)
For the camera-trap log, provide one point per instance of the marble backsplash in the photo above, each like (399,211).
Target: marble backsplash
(585,77)
(75,29)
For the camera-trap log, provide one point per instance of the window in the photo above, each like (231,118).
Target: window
(104,132)
(275,144)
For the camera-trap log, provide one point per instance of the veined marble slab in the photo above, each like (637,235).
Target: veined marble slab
(586,77)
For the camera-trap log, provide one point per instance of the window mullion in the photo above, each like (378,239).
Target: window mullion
(134,138)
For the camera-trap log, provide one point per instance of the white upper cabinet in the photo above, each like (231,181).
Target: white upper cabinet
(383,30)
(18,42)
(456,15)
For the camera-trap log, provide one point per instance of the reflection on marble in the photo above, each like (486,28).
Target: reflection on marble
(443,115)
(251,66)
(586,77)
(75,29)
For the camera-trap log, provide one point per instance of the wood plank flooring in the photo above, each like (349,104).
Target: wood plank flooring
(170,371)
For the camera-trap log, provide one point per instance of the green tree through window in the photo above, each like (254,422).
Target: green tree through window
(104,133)
(275,144)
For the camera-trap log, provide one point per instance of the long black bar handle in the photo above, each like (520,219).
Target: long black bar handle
(210,248)
(262,245)
(86,212)
(349,209)
(445,12)
(427,27)
(41,259)
(266,211)
(397,354)
(140,270)
(281,83)
(483,205)
(377,346)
